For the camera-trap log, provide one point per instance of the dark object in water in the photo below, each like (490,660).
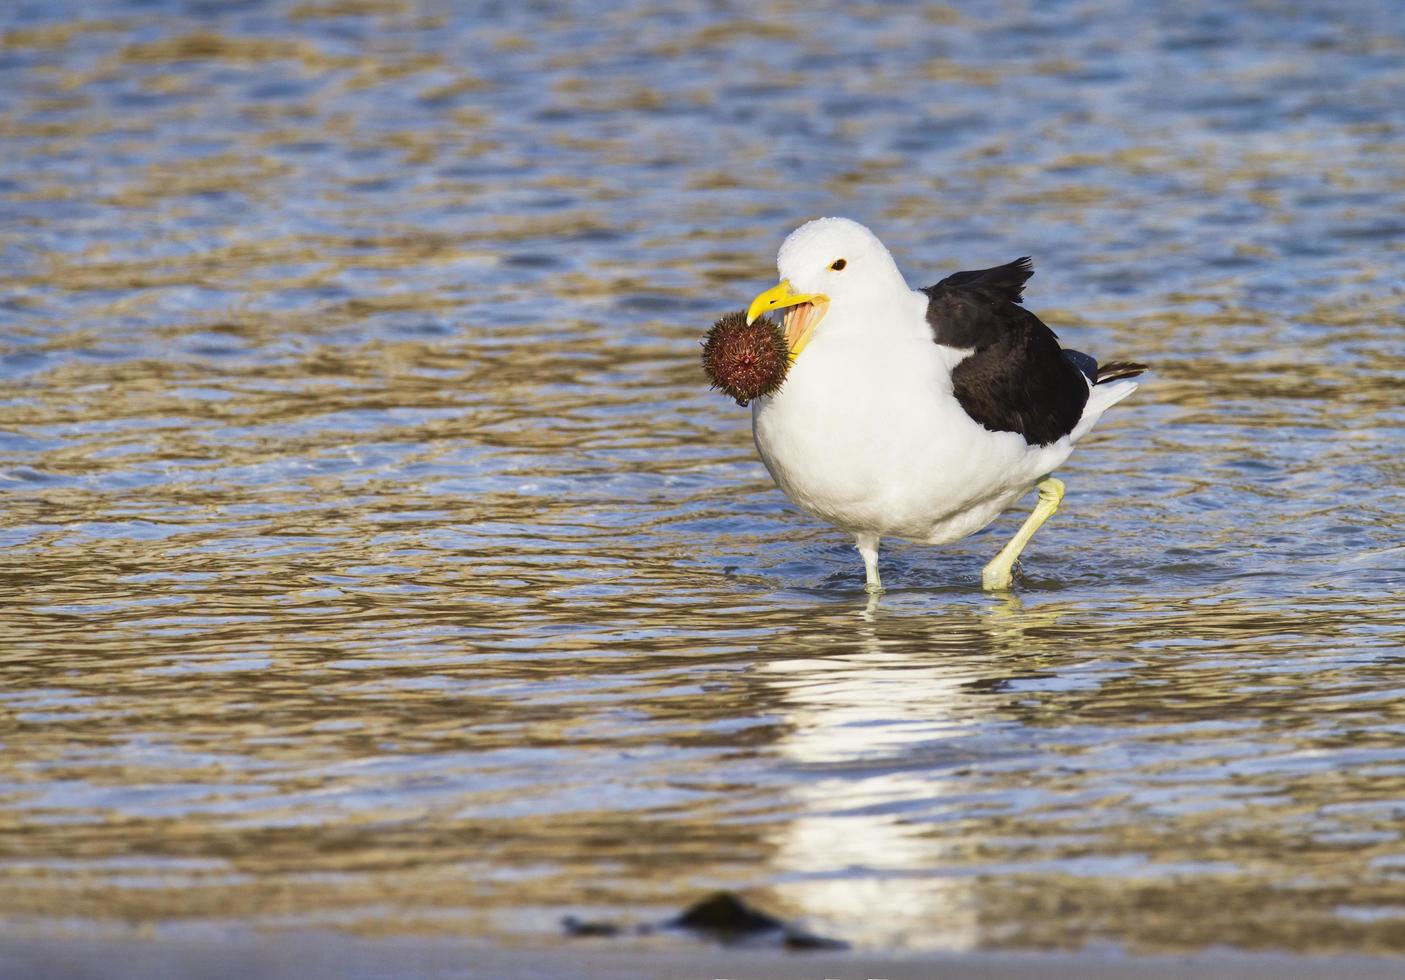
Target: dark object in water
(579,927)
(802,942)
(745,361)
(728,919)
(724,912)
(722,917)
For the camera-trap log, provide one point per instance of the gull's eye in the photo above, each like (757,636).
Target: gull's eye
(838,265)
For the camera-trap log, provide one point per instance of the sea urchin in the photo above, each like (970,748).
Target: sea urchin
(745,361)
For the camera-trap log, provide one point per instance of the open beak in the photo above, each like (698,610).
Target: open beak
(805,311)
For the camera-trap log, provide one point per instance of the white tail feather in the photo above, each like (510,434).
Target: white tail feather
(1100,399)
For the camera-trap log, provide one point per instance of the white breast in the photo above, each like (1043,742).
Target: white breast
(867,435)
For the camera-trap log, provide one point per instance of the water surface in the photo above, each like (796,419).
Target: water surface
(376,558)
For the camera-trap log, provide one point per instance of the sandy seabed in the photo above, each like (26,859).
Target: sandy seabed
(322,955)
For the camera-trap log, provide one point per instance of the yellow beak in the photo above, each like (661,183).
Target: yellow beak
(806,311)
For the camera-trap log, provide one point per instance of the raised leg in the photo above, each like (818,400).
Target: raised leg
(868,548)
(999,573)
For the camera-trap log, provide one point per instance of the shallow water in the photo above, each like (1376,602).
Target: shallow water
(377,559)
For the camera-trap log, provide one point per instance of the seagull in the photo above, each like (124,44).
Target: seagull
(919,414)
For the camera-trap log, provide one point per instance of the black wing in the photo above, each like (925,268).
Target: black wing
(1017,379)
(1101,374)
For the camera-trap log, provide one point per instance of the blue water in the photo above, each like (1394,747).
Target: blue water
(378,558)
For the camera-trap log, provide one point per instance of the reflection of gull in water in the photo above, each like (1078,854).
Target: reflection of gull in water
(880,733)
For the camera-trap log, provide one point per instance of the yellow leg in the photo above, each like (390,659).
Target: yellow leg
(997,576)
(868,548)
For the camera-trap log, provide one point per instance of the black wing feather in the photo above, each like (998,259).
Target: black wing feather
(1116,370)
(1087,364)
(1007,279)
(1018,378)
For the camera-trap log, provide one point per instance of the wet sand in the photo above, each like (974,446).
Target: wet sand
(314,957)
